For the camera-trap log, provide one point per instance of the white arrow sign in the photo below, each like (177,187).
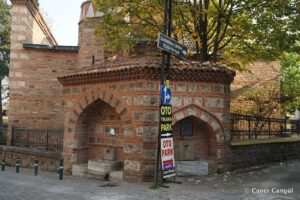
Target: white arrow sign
(167,96)
(166,134)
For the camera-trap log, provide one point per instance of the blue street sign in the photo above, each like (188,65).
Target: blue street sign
(166,94)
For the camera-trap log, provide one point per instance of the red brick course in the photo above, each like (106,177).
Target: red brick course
(94,96)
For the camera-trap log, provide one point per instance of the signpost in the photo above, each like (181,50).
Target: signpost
(171,46)
(165,94)
(165,145)
(166,134)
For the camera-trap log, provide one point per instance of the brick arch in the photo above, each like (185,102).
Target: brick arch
(201,113)
(106,95)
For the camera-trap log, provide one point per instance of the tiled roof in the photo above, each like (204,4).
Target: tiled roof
(147,64)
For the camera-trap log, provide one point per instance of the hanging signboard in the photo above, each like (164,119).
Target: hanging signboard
(166,134)
(171,46)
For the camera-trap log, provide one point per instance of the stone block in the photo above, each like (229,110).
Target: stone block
(149,154)
(149,133)
(132,148)
(138,116)
(132,166)
(179,115)
(151,101)
(127,99)
(21,37)
(198,101)
(116,175)
(138,100)
(151,86)
(192,111)
(215,125)
(79,170)
(136,86)
(148,170)
(192,87)
(204,88)
(219,88)
(214,102)
(151,116)
(204,116)
(220,138)
(128,133)
(103,166)
(187,101)
(181,87)
(20,83)
(176,101)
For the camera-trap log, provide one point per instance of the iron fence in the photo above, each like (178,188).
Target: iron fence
(257,127)
(38,138)
(3,136)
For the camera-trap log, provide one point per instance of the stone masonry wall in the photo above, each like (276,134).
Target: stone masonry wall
(199,141)
(91,51)
(140,100)
(255,154)
(48,161)
(35,93)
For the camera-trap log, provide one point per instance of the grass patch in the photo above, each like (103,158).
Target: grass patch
(154,186)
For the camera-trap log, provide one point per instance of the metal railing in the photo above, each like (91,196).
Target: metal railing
(3,136)
(38,138)
(257,127)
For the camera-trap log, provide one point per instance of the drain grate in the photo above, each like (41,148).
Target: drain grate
(109,185)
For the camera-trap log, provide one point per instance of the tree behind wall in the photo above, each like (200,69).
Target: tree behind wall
(4,46)
(37,3)
(242,30)
(290,82)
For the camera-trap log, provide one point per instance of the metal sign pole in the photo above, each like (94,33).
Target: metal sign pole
(162,80)
(169,34)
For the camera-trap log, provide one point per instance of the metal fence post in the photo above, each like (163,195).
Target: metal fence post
(47,139)
(12,136)
(18,165)
(61,169)
(269,128)
(249,128)
(285,132)
(27,138)
(36,167)
(3,165)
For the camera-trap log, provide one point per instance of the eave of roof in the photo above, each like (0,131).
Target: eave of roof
(148,68)
(53,48)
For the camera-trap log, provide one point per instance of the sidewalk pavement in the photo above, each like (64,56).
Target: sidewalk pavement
(274,182)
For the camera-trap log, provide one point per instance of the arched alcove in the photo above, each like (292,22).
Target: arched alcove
(93,131)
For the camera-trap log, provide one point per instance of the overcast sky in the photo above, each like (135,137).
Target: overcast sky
(63,17)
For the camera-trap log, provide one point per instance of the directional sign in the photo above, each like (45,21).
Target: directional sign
(166,93)
(167,157)
(166,141)
(171,46)
(166,134)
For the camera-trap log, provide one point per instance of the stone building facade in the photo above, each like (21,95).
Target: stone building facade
(75,88)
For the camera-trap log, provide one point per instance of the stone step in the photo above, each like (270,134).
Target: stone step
(104,166)
(97,176)
(79,169)
(191,168)
(117,175)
